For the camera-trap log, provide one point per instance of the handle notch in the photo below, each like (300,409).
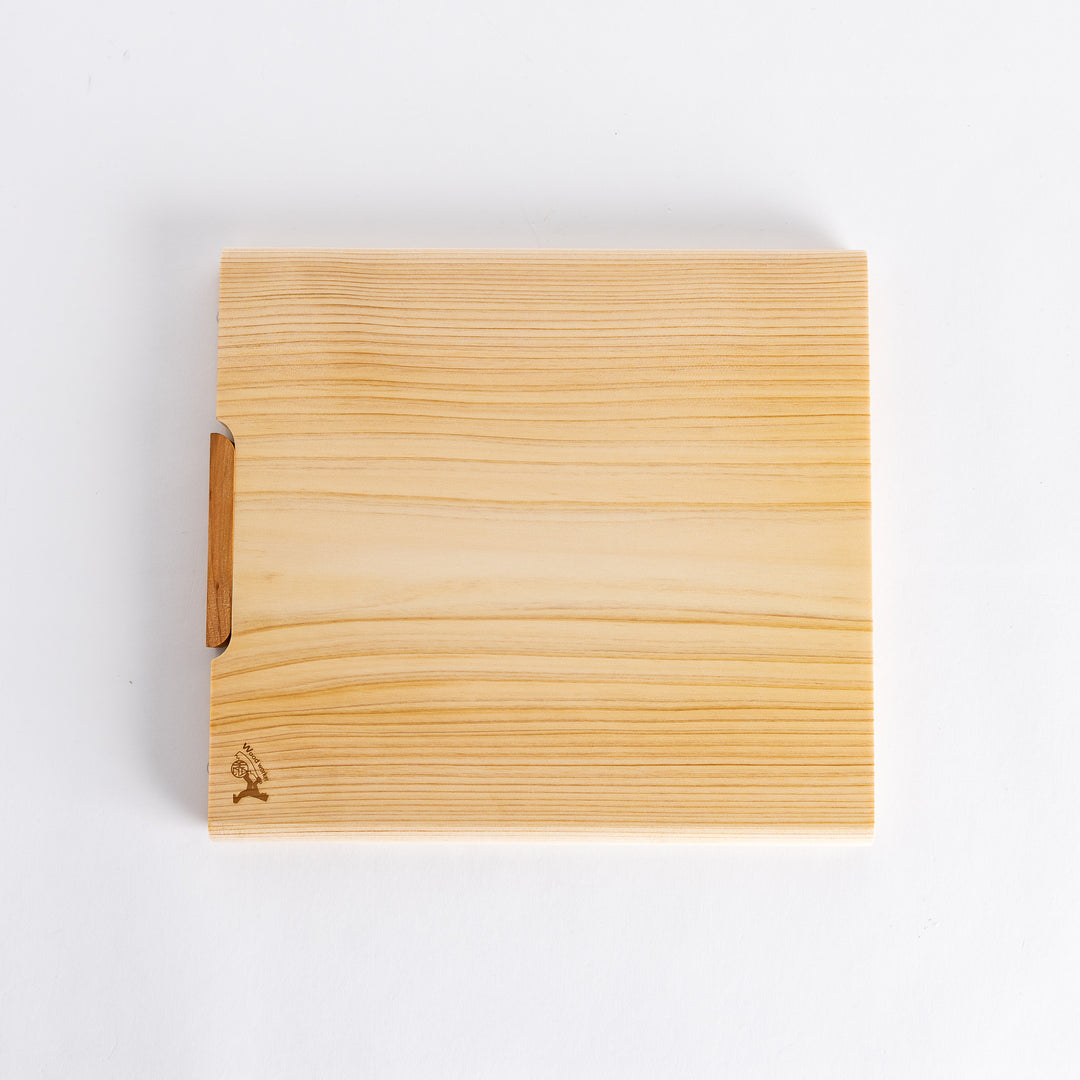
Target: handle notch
(219,542)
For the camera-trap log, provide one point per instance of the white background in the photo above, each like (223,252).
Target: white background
(139,139)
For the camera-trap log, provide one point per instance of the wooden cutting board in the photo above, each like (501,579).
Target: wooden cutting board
(570,543)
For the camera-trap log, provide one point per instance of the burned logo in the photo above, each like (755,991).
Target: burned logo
(247,767)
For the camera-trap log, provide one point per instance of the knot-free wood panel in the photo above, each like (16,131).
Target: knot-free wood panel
(545,543)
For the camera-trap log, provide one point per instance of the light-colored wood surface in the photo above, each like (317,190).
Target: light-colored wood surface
(219,542)
(546,543)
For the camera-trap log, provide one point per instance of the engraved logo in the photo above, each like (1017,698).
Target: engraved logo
(247,767)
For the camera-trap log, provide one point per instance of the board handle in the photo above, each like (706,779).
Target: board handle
(219,542)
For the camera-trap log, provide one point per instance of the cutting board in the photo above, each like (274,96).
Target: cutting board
(541,544)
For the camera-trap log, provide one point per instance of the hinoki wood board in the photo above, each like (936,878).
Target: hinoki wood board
(554,544)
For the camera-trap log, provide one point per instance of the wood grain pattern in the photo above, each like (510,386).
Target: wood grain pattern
(546,544)
(219,542)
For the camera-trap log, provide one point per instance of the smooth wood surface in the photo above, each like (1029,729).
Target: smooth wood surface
(219,542)
(546,544)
